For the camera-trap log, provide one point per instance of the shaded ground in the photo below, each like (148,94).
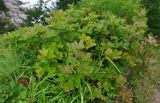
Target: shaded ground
(156,95)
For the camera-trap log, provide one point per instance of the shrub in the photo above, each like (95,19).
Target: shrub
(122,8)
(81,57)
(27,41)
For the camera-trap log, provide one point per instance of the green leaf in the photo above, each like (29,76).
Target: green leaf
(85,69)
(114,54)
(76,80)
(66,69)
(87,41)
(43,52)
(40,72)
(68,86)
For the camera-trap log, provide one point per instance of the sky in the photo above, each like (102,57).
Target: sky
(33,2)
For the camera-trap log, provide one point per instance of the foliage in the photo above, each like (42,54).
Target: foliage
(33,16)
(122,8)
(63,4)
(10,90)
(37,14)
(153,15)
(81,56)
(148,75)
(2,6)
(27,41)
(6,25)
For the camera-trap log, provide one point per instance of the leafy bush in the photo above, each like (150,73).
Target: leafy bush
(81,56)
(27,41)
(122,8)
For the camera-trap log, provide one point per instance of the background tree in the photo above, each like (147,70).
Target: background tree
(2,6)
(41,11)
(63,4)
(153,15)
(37,14)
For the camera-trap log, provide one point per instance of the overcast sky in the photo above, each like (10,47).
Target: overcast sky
(33,2)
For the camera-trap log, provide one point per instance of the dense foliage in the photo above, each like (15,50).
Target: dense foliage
(82,55)
(63,4)
(153,15)
(122,8)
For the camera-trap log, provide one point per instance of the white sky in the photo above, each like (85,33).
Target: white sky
(33,2)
